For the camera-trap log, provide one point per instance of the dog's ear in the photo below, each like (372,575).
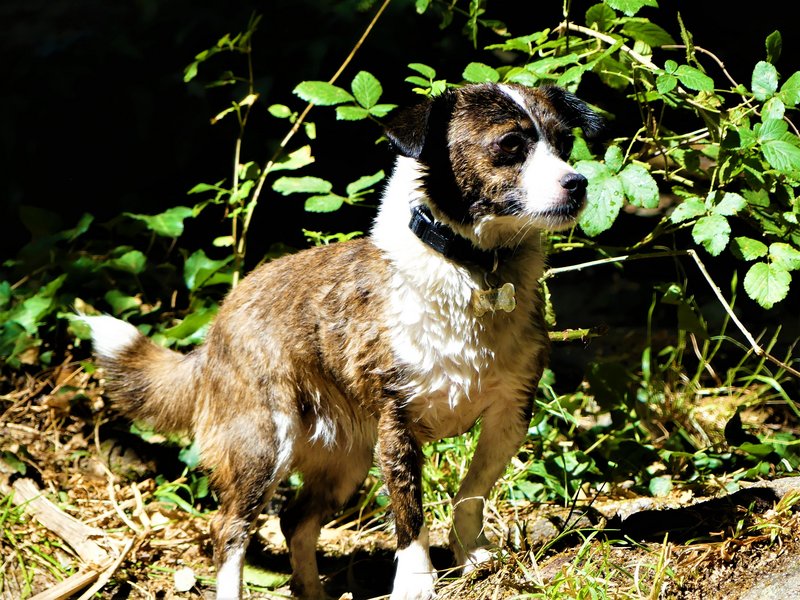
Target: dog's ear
(414,127)
(575,112)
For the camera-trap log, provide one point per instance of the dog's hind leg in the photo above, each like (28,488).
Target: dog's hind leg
(329,479)
(250,457)
(502,433)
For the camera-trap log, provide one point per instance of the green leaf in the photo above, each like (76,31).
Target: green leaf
(730,204)
(322,93)
(604,198)
(764,80)
(132,261)
(476,72)
(712,232)
(665,83)
(381,110)
(297,159)
(190,455)
(747,248)
(192,329)
(600,15)
(326,203)
(774,108)
(166,224)
(785,256)
(362,183)
(640,187)
(694,79)
(263,578)
(690,208)
(613,158)
(782,155)
(423,70)
(660,486)
(302,185)
(366,89)
(281,111)
(121,302)
(351,113)
(199,268)
(647,32)
(771,130)
(790,90)
(758,197)
(774,46)
(767,284)
(630,7)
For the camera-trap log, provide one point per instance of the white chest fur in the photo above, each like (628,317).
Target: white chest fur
(457,364)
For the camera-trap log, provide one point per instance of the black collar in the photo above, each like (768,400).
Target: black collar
(451,245)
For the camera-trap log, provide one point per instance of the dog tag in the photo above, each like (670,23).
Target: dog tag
(494,299)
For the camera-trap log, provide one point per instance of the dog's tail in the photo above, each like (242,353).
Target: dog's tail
(145,381)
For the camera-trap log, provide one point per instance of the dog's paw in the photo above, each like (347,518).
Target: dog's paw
(475,559)
(415,586)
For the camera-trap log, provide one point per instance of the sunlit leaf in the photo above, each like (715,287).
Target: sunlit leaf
(767,284)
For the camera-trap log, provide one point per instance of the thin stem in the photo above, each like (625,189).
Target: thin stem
(758,350)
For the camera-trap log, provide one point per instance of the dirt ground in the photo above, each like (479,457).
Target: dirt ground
(123,539)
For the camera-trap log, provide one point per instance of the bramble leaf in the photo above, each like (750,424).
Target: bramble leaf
(694,79)
(690,208)
(764,81)
(322,93)
(604,198)
(302,185)
(476,72)
(326,203)
(767,284)
(747,248)
(712,232)
(168,223)
(366,89)
(640,187)
(785,256)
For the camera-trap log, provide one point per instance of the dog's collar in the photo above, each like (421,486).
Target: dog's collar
(449,244)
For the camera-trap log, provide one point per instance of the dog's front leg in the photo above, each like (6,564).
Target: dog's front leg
(503,430)
(401,462)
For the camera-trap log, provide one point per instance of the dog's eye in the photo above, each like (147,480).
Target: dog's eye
(511,144)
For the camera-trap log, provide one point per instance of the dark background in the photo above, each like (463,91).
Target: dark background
(96,116)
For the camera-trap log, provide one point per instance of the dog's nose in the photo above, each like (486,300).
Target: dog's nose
(574,183)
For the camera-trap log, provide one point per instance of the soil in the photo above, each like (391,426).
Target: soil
(57,429)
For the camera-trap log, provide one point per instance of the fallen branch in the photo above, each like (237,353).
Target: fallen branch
(77,534)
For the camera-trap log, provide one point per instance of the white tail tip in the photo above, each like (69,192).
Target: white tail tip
(110,336)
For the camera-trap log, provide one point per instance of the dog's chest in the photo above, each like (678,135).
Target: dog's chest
(456,364)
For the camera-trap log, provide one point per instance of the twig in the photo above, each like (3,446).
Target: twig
(107,574)
(573,335)
(758,350)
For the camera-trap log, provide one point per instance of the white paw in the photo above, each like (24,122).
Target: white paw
(416,586)
(476,558)
(416,577)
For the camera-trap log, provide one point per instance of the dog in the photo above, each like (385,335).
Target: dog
(409,335)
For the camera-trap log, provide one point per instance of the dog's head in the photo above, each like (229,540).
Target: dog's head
(493,157)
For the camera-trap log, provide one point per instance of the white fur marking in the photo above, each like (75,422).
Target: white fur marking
(110,336)
(516,97)
(416,577)
(286,430)
(229,576)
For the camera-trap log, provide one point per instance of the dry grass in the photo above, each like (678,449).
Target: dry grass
(56,425)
